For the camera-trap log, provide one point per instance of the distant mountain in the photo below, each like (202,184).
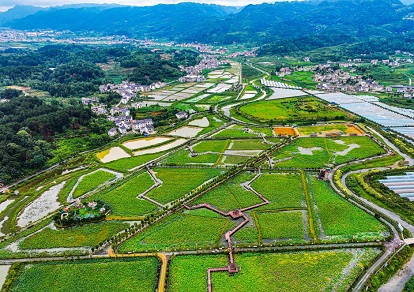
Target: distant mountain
(17,12)
(283,26)
(159,21)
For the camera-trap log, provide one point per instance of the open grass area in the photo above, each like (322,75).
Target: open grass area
(181,231)
(282,190)
(138,274)
(123,198)
(176,182)
(87,235)
(292,110)
(125,164)
(230,195)
(281,225)
(91,181)
(341,219)
(299,271)
(320,152)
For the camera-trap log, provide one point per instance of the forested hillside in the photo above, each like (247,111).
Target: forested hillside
(283,27)
(72,70)
(27,126)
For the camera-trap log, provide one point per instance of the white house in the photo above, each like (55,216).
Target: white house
(112,132)
(181,115)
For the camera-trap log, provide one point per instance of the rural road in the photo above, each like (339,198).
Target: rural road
(398,281)
(393,147)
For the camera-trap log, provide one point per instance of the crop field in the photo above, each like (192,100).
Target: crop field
(319,152)
(234,133)
(123,198)
(240,132)
(181,280)
(212,146)
(181,231)
(282,190)
(125,164)
(230,195)
(248,235)
(281,225)
(91,181)
(329,128)
(288,131)
(86,235)
(233,159)
(218,147)
(302,79)
(289,109)
(214,123)
(299,271)
(341,219)
(176,182)
(183,157)
(256,144)
(138,274)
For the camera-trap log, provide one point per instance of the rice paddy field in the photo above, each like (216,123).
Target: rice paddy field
(320,152)
(139,274)
(299,271)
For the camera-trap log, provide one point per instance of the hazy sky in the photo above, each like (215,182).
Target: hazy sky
(6,4)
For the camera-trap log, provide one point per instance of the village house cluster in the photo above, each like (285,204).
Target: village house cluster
(121,118)
(245,53)
(124,123)
(332,80)
(128,90)
(194,73)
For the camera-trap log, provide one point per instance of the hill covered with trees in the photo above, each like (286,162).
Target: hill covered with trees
(27,128)
(283,27)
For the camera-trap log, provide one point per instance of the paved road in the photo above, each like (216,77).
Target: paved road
(387,212)
(406,273)
(393,147)
(398,281)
